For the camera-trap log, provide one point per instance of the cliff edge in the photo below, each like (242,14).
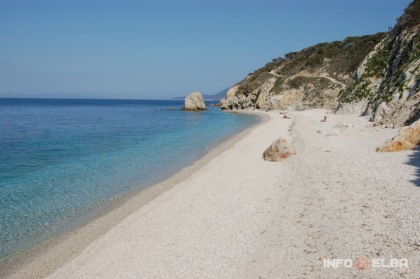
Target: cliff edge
(385,87)
(375,75)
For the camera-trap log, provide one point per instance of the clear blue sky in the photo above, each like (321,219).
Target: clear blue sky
(159,49)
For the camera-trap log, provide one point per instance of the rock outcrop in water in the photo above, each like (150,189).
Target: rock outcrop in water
(194,102)
(278,151)
(407,138)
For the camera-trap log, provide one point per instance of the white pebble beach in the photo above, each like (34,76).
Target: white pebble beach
(238,216)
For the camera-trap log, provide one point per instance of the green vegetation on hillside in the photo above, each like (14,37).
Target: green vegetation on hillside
(336,58)
(341,56)
(316,76)
(388,66)
(410,17)
(376,65)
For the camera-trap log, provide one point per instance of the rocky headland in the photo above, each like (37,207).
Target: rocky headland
(376,76)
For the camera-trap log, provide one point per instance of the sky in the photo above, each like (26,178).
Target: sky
(159,49)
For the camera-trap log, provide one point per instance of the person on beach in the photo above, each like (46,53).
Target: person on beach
(286,117)
(325,119)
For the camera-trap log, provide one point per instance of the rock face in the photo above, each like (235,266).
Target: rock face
(310,78)
(386,85)
(407,138)
(194,102)
(377,76)
(278,151)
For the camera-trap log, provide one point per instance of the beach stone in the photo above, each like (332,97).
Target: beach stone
(343,125)
(194,102)
(332,133)
(278,151)
(407,138)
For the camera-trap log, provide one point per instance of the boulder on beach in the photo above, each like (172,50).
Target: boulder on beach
(407,138)
(194,102)
(278,151)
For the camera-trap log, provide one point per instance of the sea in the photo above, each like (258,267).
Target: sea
(62,159)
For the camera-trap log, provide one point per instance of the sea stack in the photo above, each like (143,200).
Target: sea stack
(194,102)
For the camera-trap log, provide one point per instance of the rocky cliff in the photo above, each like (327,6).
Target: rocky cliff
(311,78)
(385,86)
(375,75)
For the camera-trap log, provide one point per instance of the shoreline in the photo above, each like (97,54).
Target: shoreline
(44,258)
(238,216)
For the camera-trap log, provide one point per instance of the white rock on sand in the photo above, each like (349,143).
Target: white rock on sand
(242,217)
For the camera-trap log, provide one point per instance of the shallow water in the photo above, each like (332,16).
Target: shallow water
(61,159)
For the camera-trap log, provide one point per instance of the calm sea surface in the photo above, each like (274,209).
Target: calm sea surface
(63,159)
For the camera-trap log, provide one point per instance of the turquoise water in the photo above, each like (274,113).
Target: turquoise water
(61,159)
